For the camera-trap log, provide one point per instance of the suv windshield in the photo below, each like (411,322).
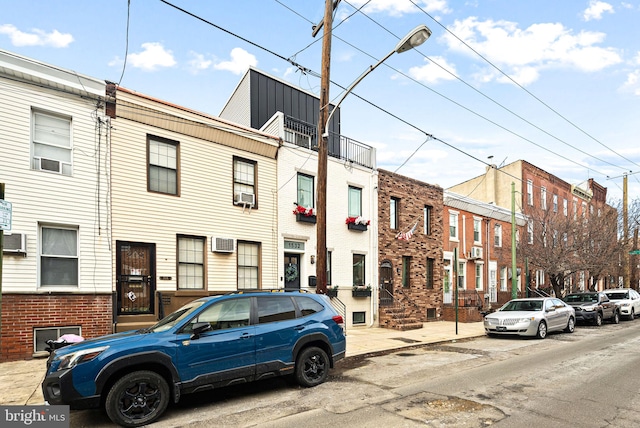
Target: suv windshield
(171,320)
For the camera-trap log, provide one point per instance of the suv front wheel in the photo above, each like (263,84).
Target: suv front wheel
(137,399)
(312,367)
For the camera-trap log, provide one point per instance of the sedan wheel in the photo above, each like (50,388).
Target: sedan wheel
(542,330)
(616,318)
(571,325)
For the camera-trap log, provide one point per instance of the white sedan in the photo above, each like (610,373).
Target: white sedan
(627,299)
(531,317)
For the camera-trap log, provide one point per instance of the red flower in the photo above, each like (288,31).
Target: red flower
(299,209)
(357,220)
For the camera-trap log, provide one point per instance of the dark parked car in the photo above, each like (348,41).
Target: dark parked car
(208,343)
(593,307)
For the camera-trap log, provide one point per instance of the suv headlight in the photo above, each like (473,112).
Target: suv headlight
(79,357)
(589,308)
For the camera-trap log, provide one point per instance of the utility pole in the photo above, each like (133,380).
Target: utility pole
(634,261)
(321,211)
(1,254)
(625,226)
(514,269)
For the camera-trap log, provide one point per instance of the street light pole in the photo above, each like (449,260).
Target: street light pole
(415,38)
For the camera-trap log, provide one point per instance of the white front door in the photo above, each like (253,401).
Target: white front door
(493,282)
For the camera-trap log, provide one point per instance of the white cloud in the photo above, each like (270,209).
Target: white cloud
(154,55)
(240,61)
(198,62)
(401,7)
(37,37)
(527,51)
(433,71)
(632,84)
(596,9)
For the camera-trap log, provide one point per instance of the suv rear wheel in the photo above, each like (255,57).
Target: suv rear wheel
(312,367)
(137,399)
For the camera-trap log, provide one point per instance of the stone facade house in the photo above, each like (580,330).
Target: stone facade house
(410,237)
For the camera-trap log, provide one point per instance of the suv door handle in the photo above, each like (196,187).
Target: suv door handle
(298,327)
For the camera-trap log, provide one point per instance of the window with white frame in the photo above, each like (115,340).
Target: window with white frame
(191,255)
(530,192)
(543,198)
(393,213)
(244,181)
(355,201)
(539,278)
(51,143)
(565,207)
(427,213)
(163,165)
(479,277)
(462,267)
(530,231)
(584,209)
(497,235)
(477,229)
(58,256)
(248,266)
(555,203)
(453,225)
(575,208)
(306,191)
(503,278)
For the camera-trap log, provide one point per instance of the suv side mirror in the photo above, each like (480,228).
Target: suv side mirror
(199,328)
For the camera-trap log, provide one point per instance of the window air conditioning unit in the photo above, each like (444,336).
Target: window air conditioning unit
(49,165)
(243,198)
(223,245)
(15,243)
(476,252)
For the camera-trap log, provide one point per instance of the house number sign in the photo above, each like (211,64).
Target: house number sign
(294,245)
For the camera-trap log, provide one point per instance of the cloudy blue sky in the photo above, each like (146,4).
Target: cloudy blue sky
(556,83)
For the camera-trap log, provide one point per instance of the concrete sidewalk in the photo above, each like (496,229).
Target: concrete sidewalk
(21,380)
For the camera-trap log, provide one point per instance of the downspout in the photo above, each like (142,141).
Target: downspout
(373,245)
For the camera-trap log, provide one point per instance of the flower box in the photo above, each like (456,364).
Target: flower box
(361,293)
(355,226)
(306,218)
(332,293)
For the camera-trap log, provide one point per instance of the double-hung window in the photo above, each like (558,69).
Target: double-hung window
(305,191)
(191,252)
(477,226)
(58,256)
(530,192)
(244,182)
(51,145)
(429,273)
(453,226)
(163,165)
(497,235)
(248,266)
(427,213)
(359,270)
(394,204)
(355,201)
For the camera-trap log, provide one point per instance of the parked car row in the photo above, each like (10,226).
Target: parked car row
(537,316)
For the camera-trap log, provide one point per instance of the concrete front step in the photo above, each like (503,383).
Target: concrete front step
(407,326)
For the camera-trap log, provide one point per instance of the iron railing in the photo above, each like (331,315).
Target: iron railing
(304,134)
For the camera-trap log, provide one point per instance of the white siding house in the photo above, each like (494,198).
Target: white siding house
(54,163)
(274,106)
(194,207)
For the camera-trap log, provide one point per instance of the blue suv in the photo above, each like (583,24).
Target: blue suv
(209,343)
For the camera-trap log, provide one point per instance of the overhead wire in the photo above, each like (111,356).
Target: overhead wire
(126,48)
(522,87)
(478,92)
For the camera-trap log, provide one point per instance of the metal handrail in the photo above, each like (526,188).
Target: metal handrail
(341,309)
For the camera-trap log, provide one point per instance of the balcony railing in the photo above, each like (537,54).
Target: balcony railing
(304,134)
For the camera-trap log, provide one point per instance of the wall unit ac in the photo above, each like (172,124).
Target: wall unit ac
(15,243)
(51,165)
(243,198)
(476,252)
(223,245)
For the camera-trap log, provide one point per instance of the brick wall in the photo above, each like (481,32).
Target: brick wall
(21,313)
(413,195)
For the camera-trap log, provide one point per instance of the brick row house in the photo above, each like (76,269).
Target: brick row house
(56,276)
(480,234)
(542,197)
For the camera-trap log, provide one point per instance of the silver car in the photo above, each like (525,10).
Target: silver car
(531,317)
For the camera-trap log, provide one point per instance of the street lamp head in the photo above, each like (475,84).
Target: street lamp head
(415,38)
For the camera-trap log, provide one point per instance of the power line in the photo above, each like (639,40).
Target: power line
(522,87)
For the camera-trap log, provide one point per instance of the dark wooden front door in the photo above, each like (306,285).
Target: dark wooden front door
(135,277)
(291,271)
(386,283)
